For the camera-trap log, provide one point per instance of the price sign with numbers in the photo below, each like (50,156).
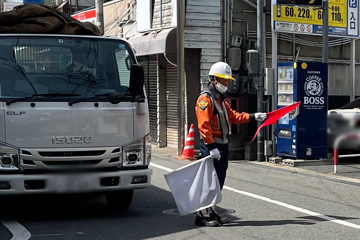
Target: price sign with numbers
(307,19)
(302,2)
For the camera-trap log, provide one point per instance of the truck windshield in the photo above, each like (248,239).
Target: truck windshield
(68,67)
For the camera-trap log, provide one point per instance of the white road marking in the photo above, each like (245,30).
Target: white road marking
(292,207)
(302,210)
(18,231)
(161,167)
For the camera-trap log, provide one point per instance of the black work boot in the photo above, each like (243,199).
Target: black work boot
(215,216)
(201,220)
(223,220)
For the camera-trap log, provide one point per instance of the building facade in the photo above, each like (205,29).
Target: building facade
(156,45)
(210,28)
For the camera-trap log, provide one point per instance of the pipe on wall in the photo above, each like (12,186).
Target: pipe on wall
(225,34)
(250,3)
(222,30)
(231,16)
(229,23)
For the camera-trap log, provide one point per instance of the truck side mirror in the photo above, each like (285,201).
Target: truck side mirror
(136,80)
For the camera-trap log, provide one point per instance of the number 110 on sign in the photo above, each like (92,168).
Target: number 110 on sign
(308,13)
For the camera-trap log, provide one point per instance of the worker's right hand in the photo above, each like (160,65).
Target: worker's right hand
(215,154)
(260,116)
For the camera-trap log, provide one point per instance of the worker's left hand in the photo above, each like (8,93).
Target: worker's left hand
(260,116)
(215,154)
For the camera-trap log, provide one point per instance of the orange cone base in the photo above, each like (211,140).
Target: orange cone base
(186,158)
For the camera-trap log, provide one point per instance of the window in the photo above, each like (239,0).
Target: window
(68,65)
(124,63)
(43,59)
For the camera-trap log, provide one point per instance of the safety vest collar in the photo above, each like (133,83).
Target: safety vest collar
(213,91)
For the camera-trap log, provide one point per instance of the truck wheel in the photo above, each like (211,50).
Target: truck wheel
(119,199)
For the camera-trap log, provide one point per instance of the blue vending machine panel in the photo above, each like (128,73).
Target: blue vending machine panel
(286,133)
(302,132)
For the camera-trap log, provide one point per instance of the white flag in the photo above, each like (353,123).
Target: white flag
(195,186)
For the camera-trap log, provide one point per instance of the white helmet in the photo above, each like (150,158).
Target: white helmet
(221,70)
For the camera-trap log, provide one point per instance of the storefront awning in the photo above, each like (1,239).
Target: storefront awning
(156,42)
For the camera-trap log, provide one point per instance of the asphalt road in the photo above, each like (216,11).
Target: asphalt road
(262,202)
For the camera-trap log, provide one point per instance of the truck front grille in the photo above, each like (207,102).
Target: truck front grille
(67,163)
(72,153)
(70,159)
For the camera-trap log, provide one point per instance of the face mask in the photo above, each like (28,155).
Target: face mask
(221,88)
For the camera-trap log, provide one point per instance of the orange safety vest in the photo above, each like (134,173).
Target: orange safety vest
(214,117)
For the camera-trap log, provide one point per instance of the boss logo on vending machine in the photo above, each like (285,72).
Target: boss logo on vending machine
(313,89)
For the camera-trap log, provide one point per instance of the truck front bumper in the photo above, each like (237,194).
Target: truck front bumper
(14,184)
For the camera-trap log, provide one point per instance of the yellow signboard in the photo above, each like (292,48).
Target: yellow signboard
(312,15)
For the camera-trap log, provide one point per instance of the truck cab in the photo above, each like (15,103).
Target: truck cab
(74,117)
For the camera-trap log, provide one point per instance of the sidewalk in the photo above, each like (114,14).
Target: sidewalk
(348,168)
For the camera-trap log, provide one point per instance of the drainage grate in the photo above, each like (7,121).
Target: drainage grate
(172,212)
(175,211)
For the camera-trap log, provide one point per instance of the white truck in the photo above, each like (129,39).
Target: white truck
(73,117)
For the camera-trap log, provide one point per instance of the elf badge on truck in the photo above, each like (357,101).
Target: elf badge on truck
(74,117)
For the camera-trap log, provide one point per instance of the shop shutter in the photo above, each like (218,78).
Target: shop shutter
(171,105)
(153,97)
(150,74)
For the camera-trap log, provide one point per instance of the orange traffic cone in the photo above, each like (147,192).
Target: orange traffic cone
(188,152)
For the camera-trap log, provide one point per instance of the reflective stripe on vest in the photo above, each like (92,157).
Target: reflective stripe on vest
(222,116)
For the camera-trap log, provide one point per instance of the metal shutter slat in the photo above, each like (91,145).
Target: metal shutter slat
(153,98)
(150,74)
(171,105)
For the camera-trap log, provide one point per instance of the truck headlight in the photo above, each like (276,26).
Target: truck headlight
(137,153)
(133,154)
(9,157)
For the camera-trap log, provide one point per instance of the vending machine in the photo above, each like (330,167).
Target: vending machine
(302,133)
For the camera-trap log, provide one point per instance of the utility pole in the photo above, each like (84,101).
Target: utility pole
(325,36)
(70,7)
(180,74)
(99,4)
(260,93)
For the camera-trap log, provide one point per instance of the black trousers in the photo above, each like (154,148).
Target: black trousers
(221,166)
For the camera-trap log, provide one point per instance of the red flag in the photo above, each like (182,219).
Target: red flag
(273,116)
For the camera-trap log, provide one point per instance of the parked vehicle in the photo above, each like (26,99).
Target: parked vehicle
(73,117)
(345,120)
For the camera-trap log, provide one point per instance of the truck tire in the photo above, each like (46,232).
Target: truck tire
(119,199)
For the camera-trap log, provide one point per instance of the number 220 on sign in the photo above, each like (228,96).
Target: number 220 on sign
(311,15)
